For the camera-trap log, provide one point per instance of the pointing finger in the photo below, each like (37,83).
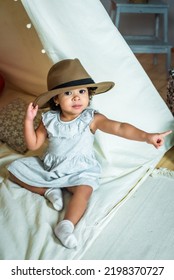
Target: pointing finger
(166,133)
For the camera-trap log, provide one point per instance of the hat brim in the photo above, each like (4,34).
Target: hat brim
(43,100)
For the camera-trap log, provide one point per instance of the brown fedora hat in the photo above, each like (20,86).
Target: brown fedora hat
(66,75)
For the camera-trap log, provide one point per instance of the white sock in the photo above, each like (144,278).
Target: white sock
(55,197)
(64,232)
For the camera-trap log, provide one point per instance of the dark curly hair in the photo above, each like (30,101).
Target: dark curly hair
(54,107)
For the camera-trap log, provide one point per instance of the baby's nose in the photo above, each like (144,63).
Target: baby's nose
(76,97)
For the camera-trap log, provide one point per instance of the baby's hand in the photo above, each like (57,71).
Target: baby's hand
(157,139)
(31,112)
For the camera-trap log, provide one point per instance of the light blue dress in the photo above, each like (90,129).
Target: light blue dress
(69,159)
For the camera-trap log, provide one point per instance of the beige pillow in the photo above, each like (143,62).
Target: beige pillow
(11,124)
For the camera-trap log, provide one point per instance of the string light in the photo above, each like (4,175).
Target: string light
(28,25)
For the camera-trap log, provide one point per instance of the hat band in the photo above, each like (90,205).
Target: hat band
(76,83)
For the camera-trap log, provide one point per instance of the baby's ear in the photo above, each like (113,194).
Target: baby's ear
(56,99)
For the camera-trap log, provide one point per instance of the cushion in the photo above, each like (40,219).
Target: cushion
(11,124)
(170,91)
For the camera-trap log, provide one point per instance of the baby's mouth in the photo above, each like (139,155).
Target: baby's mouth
(77,106)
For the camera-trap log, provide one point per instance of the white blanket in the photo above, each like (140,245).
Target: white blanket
(27,219)
(142,229)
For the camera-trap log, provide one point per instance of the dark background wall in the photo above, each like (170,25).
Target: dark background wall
(138,24)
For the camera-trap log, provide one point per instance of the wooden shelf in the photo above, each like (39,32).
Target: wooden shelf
(144,43)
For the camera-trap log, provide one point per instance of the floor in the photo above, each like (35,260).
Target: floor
(156,72)
(159,76)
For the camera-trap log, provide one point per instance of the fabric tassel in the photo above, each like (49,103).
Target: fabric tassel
(163,172)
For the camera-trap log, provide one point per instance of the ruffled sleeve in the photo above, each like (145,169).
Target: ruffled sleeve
(48,117)
(50,121)
(88,115)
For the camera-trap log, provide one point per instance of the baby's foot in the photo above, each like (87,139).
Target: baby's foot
(55,197)
(64,232)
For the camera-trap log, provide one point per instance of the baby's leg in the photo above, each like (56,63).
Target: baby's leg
(37,190)
(53,195)
(75,210)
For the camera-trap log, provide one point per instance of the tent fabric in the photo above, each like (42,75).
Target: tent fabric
(82,29)
(105,54)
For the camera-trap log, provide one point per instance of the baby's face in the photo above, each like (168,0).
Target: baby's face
(73,102)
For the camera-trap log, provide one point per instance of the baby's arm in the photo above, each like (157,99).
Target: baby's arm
(127,131)
(34,138)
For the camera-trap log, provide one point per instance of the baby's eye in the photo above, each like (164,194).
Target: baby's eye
(82,91)
(67,92)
